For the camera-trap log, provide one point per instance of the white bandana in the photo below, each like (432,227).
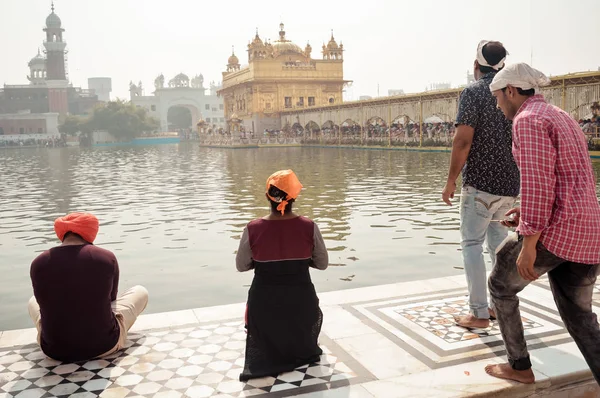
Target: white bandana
(519,75)
(481,59)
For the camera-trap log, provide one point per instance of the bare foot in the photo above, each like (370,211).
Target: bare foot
(504,371)
(492,314)
(471,322)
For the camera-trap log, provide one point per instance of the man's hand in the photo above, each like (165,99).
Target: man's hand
(525,263)
(448,192)
(514,222)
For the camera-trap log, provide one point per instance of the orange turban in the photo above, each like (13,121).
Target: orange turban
(83,224)
(286,181)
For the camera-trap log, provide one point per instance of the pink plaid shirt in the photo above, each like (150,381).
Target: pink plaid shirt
(558,187)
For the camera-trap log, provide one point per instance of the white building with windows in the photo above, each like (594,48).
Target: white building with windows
(183,92)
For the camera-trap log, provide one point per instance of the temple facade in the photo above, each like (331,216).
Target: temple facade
(280,76)
(181,91)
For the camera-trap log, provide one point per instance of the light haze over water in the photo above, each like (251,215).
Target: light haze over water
(173,215)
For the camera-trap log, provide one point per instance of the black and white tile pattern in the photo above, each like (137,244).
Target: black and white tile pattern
(438,319)
(198,361)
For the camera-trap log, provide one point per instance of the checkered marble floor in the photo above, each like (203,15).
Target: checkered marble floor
(438,318)
(392,340)
(199,361)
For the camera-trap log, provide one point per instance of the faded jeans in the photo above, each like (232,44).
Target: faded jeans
(572,286)
(477,209)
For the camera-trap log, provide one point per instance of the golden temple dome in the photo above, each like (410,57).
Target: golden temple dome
(257,40)
(284,46)
(332,45)
(233,59)
(287,47)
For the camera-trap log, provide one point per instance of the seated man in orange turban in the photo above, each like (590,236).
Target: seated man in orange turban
(283,317)
(75,306)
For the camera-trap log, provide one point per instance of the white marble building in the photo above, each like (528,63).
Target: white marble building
(181,91)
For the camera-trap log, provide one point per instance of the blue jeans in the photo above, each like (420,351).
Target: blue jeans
(477,209)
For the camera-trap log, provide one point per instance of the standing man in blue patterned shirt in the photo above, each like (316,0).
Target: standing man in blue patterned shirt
(482,150)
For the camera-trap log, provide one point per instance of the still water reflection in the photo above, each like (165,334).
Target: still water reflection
(173,214)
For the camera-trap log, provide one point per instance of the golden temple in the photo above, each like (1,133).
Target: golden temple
(280,76)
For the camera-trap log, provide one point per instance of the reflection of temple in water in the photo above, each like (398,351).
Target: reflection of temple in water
(323,174)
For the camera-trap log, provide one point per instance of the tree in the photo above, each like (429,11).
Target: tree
(121,119)
(71,125)
(179,117)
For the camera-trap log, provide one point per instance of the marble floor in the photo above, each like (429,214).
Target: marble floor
(385,341)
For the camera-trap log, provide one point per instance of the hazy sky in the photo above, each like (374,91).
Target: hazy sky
(395,43)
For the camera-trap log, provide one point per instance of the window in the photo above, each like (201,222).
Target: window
(288,102)
(222,120)
(40,130)
(311,101)
(21,130)
(214,109)
(301,101)
(153,108)
(207,120)
(331,100)
(207,107)
(1,130)
(221,106)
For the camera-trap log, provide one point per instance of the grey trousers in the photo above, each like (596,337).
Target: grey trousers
(572,286)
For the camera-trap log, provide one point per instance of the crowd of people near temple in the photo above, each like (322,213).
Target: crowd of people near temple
(591,126)
(34,142)
(509,144)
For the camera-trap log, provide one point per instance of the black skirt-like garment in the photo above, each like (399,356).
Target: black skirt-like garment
(283,319)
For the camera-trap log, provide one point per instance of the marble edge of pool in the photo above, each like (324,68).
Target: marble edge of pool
(10,338)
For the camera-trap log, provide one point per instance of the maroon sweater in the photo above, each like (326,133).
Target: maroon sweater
(74,286)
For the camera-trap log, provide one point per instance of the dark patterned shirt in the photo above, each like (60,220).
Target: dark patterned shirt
(490,166)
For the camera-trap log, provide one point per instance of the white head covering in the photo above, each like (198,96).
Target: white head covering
(519,75)
(481,59)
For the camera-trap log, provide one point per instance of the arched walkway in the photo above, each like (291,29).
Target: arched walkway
(179,118)
(438,127)
(312,129)
(404,129)
(376,128)
(191,105)
(350,129)
(297,130)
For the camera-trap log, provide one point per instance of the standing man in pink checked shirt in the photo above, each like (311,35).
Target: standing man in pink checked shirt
(558,223)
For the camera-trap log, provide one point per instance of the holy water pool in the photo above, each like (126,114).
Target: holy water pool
(173,214)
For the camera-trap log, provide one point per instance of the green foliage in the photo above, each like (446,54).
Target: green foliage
(121,119)
(179,117)
(71,125)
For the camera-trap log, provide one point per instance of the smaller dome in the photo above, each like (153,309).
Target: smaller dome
(37,60)
(257,40)
(53,21)
(332,45)
(233,60)
(181,76)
